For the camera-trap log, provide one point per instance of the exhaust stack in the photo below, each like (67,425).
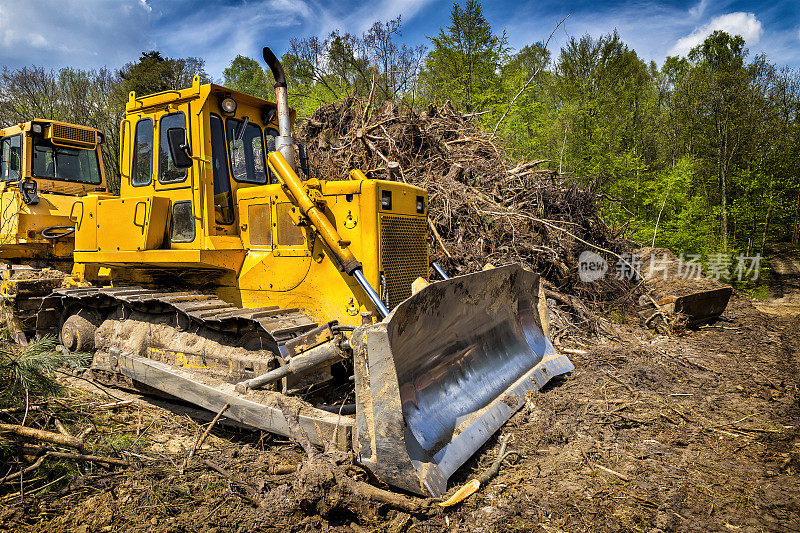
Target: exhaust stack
(283,143)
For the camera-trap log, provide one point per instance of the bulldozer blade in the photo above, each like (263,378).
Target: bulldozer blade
(445,370)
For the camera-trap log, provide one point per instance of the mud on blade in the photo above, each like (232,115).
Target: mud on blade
(445,370)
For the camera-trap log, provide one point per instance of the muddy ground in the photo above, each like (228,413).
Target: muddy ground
(650,433)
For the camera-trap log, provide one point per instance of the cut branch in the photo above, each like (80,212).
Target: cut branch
(38,434)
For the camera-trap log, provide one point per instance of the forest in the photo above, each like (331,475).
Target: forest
(700,154)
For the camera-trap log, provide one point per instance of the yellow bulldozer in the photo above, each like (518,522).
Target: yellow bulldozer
(219,276)
(44,166)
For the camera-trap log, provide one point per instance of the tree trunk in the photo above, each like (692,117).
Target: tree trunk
(724,210)
(796,232)
(766,219)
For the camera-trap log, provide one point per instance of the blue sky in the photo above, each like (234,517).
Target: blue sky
(96,33)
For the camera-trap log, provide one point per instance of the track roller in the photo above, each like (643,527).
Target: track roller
(78,330)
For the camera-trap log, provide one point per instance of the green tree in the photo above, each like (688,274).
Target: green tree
(319,71)
(246,75)
(606,90)
(724,83)
(464,64)
(154,73)
(527,126)
(395,65)
(344,65)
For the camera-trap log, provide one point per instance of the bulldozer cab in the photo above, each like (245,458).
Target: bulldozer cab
(45,166)
(186,155)
(62,158)
(200,190)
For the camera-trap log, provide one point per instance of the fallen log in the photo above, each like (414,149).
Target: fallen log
(114,405)
(25,470)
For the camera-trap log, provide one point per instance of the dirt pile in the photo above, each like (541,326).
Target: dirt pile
(482,209)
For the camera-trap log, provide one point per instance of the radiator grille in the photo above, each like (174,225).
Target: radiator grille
(404,255)
(63,132)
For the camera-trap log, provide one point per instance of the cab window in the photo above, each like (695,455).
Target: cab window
(11,158)
(142,165)
(223,197)
(167,171)
(66,164)
(246,151)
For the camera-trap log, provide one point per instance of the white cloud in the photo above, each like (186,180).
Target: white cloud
(233,29)
(79,33)
(385,10)
(739,23)
(698,10)
(96,33)
(650,27)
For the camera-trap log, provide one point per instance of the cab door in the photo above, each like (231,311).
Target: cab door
(222,212)
(135,220)
(178,184)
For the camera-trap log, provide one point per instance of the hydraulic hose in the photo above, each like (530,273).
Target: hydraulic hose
(65,231)
(439,270)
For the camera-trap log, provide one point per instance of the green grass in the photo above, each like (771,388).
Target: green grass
(760,292)
(124,441)
(618,316)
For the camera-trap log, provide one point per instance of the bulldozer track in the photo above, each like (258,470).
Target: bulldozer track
(196,307)
(21,297)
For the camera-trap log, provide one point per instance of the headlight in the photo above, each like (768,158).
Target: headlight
(386,199)
(99,137)
(228,105)
(420,204)
(36,128)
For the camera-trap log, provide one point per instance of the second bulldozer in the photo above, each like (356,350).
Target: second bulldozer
(45,166)
(228,279)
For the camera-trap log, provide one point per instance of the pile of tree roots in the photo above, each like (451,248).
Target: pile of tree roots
(482,208)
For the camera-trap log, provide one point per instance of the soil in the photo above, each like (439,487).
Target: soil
(784,287)
(39,274)
(650,432)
